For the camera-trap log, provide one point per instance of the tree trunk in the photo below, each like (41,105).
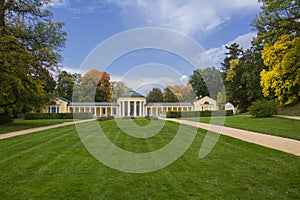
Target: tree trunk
(2,17)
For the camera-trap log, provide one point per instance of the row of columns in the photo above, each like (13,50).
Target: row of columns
(125,108)
(176,108)
(93,110)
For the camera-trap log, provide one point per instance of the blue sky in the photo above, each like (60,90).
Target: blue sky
(212,23)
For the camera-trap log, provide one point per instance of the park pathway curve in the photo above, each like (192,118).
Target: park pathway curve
(32,130)
(282,144)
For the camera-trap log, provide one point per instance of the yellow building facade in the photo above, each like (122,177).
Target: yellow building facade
(131,104)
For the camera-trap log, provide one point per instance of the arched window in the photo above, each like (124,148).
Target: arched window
(206,103)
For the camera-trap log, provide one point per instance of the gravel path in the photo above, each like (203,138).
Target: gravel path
(282,144)
(289,117)
(32,130)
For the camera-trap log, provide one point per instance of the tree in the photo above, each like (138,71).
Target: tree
(213,80)
(95,86)
(282,78)
(30,45)
(277,18)
(155,95)
(65,85)
(232,55)
(117,89)
(169,96)
(243,80)
(183,93)
(234,52)
(198,84)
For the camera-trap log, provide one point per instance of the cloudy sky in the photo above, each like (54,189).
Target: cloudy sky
(211,23)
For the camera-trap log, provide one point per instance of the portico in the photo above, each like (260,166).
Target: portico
(131,104)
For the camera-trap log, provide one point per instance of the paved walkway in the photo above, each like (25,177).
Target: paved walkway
(32,130)
(289,117)
(274,142)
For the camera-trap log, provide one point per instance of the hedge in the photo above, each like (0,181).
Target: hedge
(174,114)
(58,115)
(151,117)
(105,118)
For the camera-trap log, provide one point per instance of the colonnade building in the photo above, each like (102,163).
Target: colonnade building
(132,104)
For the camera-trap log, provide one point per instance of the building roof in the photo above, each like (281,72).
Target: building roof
(93,104)
(64,99)
(132,94)
(169,104)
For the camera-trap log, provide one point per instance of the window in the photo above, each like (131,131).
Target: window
(53,109)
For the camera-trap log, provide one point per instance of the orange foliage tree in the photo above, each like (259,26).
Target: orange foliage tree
(95,86)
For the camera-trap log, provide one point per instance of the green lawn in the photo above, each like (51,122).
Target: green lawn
(53,164)
(18,125)
(277,126)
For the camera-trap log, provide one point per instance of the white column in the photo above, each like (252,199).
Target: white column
(123,108)
(68,109)
(172,109)
(95,111)
(144,109)
(134,108)
(141,109)
(128,108)
(100,111)
(111,111)
(84,109)
(105,111)
(151,111)
(177,108)
(156,111)
(167,109)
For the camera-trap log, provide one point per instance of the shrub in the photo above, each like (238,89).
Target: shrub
(151,117)
(263,108)
(173,114)
(58,115)
(105,118)
(206,113)
(4,118)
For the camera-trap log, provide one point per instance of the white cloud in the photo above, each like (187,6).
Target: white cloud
(186,16)
(59,3)
(218,54)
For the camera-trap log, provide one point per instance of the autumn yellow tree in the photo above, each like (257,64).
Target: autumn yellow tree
(282,78)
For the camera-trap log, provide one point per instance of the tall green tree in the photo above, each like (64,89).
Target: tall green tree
(243,80)
(155,95)
(277,18)
(169,96)
(213,80)
(199,86)
(30,43)
(234,51)
(65,84)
